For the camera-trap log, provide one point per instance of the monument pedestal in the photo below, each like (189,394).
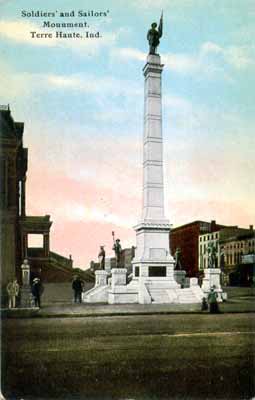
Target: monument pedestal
(26,297)
(212,280)
(120,292)
(101,277)
(99,293)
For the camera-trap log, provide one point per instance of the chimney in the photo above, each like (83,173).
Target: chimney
(213,225)
(251,227)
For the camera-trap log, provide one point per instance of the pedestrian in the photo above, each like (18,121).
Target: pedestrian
(13,292)
(37,290)
(77,287)
(213,303)
(204,305)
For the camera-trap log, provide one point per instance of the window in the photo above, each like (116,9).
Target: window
(35,240)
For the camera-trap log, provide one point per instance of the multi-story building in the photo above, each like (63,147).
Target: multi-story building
(204,241)
(186,237)
(239,256)
(231,243)
(16,227)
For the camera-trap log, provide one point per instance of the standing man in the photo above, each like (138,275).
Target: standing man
(77,287)
(13,292)
(37,290)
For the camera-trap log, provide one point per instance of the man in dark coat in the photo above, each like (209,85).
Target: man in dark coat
(77,286)
(37,290)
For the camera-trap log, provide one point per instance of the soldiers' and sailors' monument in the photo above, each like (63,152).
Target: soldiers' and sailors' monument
(152,258)
(154,278)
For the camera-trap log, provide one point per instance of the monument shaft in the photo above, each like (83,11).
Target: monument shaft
(153,186)
(152,233)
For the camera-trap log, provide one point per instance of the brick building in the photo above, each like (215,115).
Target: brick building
(186,237)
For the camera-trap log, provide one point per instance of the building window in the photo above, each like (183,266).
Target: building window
(216,235)
(35,240)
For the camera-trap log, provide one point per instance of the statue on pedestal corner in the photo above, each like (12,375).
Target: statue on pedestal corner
(101,257)
(177,257)
(212,256)
(117,250)
(154,35)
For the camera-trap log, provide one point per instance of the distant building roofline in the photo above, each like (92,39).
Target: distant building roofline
(211,223)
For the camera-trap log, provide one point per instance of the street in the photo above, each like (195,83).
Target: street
(136,357)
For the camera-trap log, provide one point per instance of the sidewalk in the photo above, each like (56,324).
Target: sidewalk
(234,305)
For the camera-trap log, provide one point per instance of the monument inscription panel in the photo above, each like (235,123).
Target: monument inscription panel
(157,271)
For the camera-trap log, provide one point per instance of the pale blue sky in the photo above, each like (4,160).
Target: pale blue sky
(80,99)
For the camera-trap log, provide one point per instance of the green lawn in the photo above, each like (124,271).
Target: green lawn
(132,357)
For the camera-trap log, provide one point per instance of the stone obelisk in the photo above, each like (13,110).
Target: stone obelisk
(153,264)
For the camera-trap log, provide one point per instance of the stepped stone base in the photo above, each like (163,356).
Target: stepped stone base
(143,290)
(98,294)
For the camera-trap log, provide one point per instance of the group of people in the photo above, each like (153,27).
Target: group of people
(13,291)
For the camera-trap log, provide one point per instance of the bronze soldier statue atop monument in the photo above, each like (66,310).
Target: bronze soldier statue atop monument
(154,35)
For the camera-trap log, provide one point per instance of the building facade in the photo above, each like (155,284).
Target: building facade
(16,226)
(239,257)
(13,168)
(186,238)
(231,244)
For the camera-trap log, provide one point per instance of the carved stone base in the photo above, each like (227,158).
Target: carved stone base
(26,297)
